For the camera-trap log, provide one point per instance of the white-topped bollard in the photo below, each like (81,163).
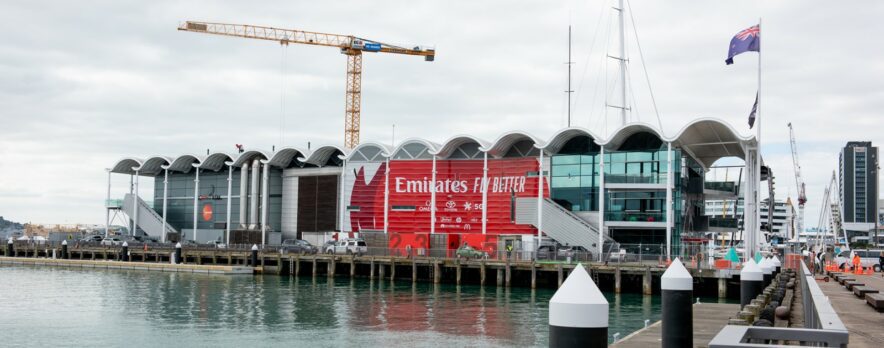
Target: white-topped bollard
(178,253)
(766,271)
(578,313)
(10,247)
(125,256)
(751,285)
(254,255)
(778,266)
(64,249)
(678,315)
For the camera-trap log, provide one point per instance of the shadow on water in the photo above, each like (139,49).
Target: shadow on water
(189,309)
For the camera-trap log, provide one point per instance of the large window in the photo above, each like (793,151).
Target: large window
(574,181)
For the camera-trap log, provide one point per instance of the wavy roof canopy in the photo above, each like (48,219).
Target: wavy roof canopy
(705,139)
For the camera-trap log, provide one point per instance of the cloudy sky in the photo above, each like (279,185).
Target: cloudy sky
(85,83)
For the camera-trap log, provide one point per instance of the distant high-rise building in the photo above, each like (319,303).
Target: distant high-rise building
(858,173)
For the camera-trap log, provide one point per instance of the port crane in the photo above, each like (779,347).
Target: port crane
(799,182)
(350,45)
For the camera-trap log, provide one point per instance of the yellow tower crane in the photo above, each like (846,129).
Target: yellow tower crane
(350,45)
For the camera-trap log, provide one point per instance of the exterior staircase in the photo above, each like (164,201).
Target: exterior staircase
(149,220)
(562,225)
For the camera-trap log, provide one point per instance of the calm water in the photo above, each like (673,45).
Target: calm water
(72,307)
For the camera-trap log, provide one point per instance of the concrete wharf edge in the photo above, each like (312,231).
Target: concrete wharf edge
(709,319)
(141,266)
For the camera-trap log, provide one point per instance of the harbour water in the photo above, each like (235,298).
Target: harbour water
(76,307)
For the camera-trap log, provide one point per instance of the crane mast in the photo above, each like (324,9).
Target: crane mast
(799,182)
(350,45)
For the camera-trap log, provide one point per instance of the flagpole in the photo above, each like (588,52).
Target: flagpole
(757,227)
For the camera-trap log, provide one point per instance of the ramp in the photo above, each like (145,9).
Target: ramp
(149,220)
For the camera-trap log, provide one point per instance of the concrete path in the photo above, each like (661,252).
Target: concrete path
(709,319)
(866,326)
(141,266)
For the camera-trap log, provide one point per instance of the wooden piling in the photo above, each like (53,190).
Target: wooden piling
(500,277)
(314,267)
(457,271)
(482,273)
(392,268)
(437,274)
(617,280)
(508,273)
(413,271)
(533,275)
(559,271)
(646,282)
(331,268)
(371,269)
(352,267)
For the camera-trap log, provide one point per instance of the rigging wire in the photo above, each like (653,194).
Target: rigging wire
(644,66)
(282,67)
(586,65)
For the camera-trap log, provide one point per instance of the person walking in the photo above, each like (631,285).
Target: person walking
(856,261)
(881,262)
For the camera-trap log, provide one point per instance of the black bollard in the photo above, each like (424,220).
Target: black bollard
(751,279)
(254,255)
(766,271)
(125,256)
(10,248)
(64,249)
(678,318)
(178,253)
(578,313)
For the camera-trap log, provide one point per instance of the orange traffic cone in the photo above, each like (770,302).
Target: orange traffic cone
(869,271)
(858,270)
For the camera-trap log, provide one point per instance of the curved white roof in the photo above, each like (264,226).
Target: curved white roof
(706,139)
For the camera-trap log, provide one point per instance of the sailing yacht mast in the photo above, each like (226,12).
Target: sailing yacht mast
(622,59)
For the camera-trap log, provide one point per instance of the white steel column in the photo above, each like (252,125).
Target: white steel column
(265,176)
(165,199)
(343,210)
(387,196)
(433,201)
(106,203)
(484,193)
(229,199)
(196,196)
(131,191)
(601,201)
(135,204)
(669,183)
(539,198)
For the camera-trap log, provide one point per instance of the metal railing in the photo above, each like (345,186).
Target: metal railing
(822,326)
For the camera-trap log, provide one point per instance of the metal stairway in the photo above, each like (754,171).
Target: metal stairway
(149,220)
(561,224)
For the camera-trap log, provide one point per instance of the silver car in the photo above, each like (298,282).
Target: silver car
(348,246)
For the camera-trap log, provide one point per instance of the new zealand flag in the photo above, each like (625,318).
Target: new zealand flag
(745,41)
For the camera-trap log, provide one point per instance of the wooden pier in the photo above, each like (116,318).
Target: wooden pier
(709,319)
(141,266)
(615,277)
(865,324)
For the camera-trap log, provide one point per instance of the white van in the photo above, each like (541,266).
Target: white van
(868,258)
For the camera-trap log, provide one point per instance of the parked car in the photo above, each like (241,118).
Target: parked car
(348,246)
(297,246)
(95,238)
(867,258)
(112,241)
(218,244)
(467,252)
(577,253)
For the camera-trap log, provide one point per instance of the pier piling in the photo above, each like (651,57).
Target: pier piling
(617,278)
(722,287)
(677,286)
(437,274)
(646,282)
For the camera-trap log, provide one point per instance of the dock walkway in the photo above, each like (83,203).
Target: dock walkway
(866,326)
(709,319)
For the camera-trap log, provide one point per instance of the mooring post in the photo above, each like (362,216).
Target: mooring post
(457,271)
(125,253)
(10,248)
(766,271)
(64,249)
(177,254)
(569,324)
(722,287)
(677,286)
(751,279)
(482,273)
(617,280)
(437,274)
(254,255)
(559,271)
(646,282)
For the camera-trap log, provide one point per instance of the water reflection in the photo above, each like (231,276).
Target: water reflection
(189,309)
